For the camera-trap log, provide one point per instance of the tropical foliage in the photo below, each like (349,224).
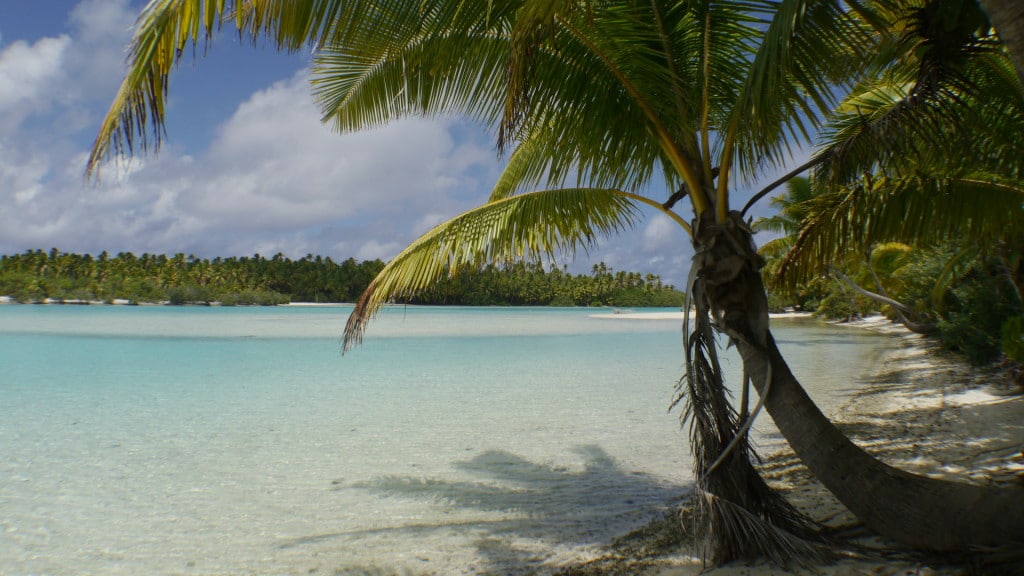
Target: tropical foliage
(520,284)
(35,275)
(926,153)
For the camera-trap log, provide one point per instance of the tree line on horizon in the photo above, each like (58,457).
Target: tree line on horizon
(37,275)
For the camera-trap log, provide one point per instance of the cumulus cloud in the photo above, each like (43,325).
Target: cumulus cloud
(275,165)
(29,75)
(274,179)
(661,233)
(101,30)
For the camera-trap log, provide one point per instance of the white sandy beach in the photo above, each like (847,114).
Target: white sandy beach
(925,411)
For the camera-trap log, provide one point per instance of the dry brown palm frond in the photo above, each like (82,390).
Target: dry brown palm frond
(737,515)
(778,545)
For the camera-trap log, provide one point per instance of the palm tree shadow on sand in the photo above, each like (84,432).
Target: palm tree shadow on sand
(529,508)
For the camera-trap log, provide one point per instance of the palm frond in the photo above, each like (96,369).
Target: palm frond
(522,227)
(381,67)
(530,164)
(292,24)
(916,210)
(932,99)
(808,49)
(164,32)
(888,257)
(780,546)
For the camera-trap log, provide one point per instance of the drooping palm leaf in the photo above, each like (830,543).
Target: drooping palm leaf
(527,226)
(933,100)
(165,32)
(912,210)
(808,49)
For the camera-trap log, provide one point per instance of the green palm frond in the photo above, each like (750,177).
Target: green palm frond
(166,30)
(584,125)
(522,227)
(916,210)
(792,208)
(932,100)
(808,49)
(776,248)
(163,31)
(528,166)
(888,257)
(883,127)
(540,160)
(378,68)
(292,24)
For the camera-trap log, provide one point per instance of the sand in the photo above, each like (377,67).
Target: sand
(923,410)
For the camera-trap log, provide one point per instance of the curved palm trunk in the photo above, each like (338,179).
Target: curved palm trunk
(921,512)
(916,510)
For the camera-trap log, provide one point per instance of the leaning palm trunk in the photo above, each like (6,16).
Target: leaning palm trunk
(922,512)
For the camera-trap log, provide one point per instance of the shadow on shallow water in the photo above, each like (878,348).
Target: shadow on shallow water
(533,508)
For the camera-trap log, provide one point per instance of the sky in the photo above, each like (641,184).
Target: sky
(246,166)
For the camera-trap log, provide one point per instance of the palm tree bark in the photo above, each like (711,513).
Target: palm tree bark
(922,512)
(918,511)
(1007,17)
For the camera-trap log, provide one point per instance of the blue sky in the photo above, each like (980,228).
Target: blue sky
(246,166)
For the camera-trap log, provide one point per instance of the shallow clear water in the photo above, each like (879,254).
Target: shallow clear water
(165,440)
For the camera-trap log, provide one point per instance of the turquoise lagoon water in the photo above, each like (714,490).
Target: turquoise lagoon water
(166,440)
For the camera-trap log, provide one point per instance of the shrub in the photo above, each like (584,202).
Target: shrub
(974,321)
(1013,338)
(562,300)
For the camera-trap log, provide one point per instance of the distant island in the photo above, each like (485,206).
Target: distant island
(36,276)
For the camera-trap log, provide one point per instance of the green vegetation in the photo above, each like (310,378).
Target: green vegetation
(34,276)
(965,294)
(529,284)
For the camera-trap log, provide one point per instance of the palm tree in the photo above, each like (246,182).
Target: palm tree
(620,99)
(939,135)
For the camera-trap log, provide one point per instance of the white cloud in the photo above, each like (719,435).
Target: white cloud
(274,179)
(375,249)
(275,165)
(661,233)
(28,73)
(102,21)
(428,221)
(101,30)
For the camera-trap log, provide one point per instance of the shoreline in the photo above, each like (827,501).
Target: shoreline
(921,409)
(631,315)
